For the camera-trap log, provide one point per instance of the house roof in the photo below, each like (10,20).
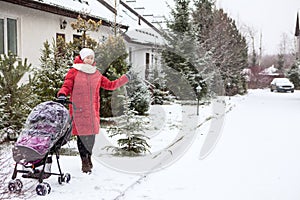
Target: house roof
(140,30)
(95,9)
(144,36)
(270,71)
(138,17)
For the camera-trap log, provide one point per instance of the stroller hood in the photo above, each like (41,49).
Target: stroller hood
(48,123)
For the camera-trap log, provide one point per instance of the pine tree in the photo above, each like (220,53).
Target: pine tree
(139,94)
(111,61)
(294,75)
(179,53)
(131,142)
(227,46)
(230,52)
(203,18)
(16,95)
(49,77)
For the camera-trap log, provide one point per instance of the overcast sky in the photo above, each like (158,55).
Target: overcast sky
(271,18)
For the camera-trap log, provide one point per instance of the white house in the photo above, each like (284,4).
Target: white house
(270,71)
(26,24)
(143,41)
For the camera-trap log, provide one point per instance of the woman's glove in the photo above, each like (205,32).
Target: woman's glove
(61,99)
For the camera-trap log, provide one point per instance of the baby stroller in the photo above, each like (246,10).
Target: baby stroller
(47,128)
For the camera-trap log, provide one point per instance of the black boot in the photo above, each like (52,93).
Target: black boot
(86,168)
(90,161)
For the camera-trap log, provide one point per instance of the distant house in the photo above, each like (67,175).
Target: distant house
(258,77)
(26,24)
(270,71)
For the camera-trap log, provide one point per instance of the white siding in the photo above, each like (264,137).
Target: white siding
(35,27)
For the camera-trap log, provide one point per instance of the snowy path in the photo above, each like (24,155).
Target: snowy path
(257,158)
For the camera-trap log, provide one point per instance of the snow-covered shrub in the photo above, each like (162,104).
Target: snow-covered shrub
(294,75)
(130,129)
(16,96)
(139,95)
(49,77)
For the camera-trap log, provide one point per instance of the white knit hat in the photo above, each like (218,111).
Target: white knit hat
(86,52)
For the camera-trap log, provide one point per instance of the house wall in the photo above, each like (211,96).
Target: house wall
(138,58)
(35,27)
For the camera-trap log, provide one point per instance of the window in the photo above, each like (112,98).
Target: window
(60,38)
(12,35)
(77,40)
(60,35)
(8,36)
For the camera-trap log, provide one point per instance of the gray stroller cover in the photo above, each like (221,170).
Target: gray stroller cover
(47,123)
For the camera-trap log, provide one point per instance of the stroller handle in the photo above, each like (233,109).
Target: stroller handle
(70,102)
(66,102)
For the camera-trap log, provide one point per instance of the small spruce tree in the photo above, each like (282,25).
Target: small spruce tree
(111,61)
(49,77)
(16,95)
(132,141)
(139,94)
(294,75)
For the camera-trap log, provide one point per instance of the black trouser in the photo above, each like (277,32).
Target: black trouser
(85,145)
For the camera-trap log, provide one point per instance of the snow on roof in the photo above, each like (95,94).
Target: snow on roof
(269,71)
(138,30)
(145,36)
(91,7)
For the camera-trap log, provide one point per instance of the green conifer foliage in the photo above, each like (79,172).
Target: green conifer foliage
(139,94)
(130,128)
(49,77)
(294,74)
(180,53)
(111,61)
(16,95)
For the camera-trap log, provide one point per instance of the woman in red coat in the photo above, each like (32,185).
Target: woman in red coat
(83,83)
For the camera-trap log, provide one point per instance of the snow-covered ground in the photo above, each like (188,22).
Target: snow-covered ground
(257,156)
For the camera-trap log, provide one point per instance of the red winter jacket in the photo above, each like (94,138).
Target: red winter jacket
(84,88)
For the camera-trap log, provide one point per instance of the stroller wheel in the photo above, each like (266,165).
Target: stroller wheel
(41,189)
(60,180)
(15,185)
(12,186)
(19,185)
(48,187)
(67,178)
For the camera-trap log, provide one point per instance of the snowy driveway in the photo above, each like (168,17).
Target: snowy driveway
(256,158)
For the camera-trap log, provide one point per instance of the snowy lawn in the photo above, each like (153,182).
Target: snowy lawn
(257,156)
